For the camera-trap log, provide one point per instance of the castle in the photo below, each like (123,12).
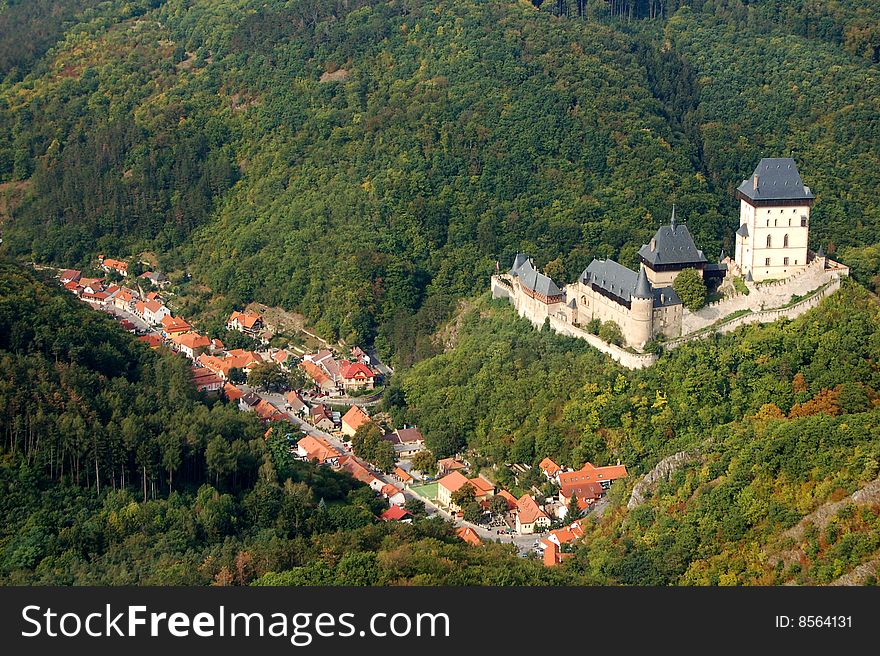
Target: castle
(771,258)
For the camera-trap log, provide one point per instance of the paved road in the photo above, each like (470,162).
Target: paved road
(524,543)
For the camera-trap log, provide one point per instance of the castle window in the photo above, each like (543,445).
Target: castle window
(767,262)
(769,240)
(803,221)
(785,261)
(785,241)
(775,222)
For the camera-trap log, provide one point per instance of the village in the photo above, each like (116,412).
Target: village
(326,413)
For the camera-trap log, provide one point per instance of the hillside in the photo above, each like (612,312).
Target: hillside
(366,163)
(781,419)
(114,472)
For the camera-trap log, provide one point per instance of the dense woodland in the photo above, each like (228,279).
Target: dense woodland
(367,163)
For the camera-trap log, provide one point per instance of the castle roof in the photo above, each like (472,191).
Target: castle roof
(625,283)
(534,280)
(775,178)
(643,287)
(672,244)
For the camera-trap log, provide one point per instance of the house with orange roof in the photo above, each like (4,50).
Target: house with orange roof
(72,286)
(125,299)
(268,412)
(588,483)
(529,517)
(551,469)
(174,326)
(511,500)
(359,470)
(447,486)
(393,494)
(96,297)
(295,404)
(92,284)
(354,419)
(232,393)
(449,465)
(69,275)
(483,489)
(118,266)
(152,340)
(206,380)
(192,345)
(321,379)
(316,449)
(284,358)
(553,555)
(402,476)
(469,535)
(245,322)
(152,312)
(356,376)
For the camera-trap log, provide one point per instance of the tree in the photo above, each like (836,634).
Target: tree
(218,457)
(424,461)
(368,443)
(237,376)
(464,495)
(473,512)
(269,377)
(593,326)
(498,505)
(610,332)
(572,512)
(416,507)
(691,289)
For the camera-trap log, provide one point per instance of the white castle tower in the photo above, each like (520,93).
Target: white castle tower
(771,242)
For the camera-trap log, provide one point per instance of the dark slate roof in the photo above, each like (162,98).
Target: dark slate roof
(673,244)
(643,287)
(623,283)
(536,281)
(778,179)
(743,230)
(665,296)
(517,263)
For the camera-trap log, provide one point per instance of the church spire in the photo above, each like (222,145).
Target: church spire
(672,221)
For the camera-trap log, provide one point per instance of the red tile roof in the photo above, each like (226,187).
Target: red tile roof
(402,475)
(549,467)
(317,449)
(191,340)
(469,535)
(232,392)
(115,264)
(153,340)
(315,373)
(590,473)
(246,319)
(481,486)
(511,500)
(175,325)
(528,509)
(395,514)
(356,370)
(355,417)
(453,481)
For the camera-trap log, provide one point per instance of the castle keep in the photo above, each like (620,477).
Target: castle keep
(771,248)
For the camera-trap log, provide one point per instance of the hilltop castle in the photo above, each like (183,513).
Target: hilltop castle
(771,245)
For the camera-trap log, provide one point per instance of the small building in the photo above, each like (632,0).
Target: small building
(295,405)
(449,465)
(152,312)
(152,340)
(232,393)
(316,449)
(550,469)
(125,299)
(192,345)
(70,275)
(402,476)
(118,266)
(469,535)
(172,326)
(356,376)
(245,322)
(393,494)
(322,381)
(206,380)
(407,442)
(354,419)
(156,278)
(322,418)
(248,402)
(529,517)
(396,514)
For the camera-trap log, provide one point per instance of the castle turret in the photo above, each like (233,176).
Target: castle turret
(641,312)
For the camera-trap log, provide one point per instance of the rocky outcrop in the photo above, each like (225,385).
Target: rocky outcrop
(662,471)
(859,575)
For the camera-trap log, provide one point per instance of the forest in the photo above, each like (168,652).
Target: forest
(367,163)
